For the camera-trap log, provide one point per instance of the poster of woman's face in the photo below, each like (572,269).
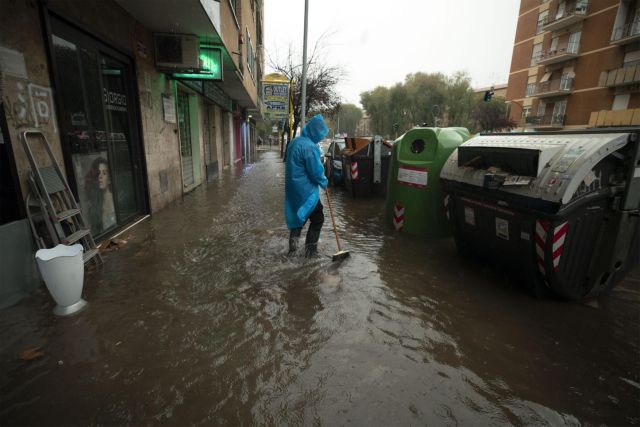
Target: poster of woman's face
(94,189)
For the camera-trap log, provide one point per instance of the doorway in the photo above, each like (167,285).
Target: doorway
(99,127)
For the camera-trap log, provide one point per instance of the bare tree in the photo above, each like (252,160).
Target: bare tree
(322,80)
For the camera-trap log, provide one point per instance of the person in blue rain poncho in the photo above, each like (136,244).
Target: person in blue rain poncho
(304,173)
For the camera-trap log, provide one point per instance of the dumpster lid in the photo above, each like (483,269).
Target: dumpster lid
(548,167)
(357,144)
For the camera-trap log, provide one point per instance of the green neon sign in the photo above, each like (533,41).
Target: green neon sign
(211,59)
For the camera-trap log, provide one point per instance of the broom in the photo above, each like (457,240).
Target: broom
(340,255)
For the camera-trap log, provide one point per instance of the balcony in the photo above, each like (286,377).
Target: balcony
(628,33)
(557,87)
(621,76)
(551,121)
(553,56)
(630,117)
(571,14)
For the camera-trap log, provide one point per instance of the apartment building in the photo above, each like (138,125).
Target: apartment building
(575,64)
(156,96)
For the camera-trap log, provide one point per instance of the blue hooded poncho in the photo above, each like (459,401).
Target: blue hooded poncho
(304,173)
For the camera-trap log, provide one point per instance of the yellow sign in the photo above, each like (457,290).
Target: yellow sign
(275,93)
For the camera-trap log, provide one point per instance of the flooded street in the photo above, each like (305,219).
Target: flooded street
(201,319)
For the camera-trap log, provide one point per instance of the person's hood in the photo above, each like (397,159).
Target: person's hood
(315,129)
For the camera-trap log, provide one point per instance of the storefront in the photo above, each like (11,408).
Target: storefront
(99,127)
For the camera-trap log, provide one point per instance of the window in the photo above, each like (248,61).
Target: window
(559,108)
(566,81)
(542,107)
(526,112)
(251,63)
(554,45)
(581,6)
(621,102)
(631,58)
(241,55)
(531,88)
(574,42)
(542,17)
(561,9)
(634,27)
(536,53)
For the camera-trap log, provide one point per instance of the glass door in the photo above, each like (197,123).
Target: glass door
(98,127)
(117,107)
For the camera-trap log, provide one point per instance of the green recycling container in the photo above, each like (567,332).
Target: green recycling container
(414,203)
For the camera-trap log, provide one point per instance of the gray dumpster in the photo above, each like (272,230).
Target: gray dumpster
(558,210)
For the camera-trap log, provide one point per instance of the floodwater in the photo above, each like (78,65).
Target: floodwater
(201,319)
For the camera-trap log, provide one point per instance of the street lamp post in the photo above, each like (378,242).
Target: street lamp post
(303,108)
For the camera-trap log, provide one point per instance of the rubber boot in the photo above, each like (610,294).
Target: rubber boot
(311,243)
(294,236)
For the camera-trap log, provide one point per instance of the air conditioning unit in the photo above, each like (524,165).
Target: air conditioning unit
(177,52)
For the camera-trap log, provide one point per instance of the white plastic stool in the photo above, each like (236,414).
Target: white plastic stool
(62,269)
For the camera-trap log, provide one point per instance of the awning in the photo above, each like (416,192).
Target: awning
(545,78)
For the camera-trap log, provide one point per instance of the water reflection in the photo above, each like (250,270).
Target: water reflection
(202,318)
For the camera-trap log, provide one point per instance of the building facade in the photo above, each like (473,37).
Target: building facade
(575,64)
(89,76)
(499,91)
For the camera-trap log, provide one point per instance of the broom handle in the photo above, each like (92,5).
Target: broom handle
(333,220)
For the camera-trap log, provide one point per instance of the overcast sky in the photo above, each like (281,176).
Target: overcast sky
(380,42)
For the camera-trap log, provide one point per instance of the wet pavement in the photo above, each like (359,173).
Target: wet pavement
(201,319)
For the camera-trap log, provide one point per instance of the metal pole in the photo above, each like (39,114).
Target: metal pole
(303,109)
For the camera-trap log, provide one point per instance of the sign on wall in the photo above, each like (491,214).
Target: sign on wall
(169,108)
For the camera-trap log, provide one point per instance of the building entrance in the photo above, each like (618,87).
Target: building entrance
(99,133)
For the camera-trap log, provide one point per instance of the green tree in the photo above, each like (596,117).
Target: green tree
(424,92)
(460,100)
(491,116)
(415,101)
(376,103)
(345,119)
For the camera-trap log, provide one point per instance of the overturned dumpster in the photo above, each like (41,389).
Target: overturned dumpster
(414,199)
(365,163)
(559,211)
